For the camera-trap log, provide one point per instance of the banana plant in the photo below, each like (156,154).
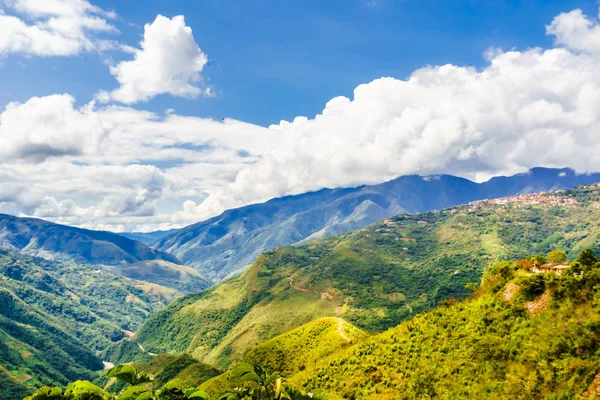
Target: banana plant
(261,385)
(129,374)
(80,390)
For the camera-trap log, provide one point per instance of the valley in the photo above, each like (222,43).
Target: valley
(374,278)
(321,298)
(89,291)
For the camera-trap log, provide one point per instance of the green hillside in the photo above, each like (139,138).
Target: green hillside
(54,317)
(35,350)
(164,273)
(165,368)
(295,351)
(373,278)
(521,335)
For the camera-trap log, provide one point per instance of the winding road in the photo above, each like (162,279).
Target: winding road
(340,330)
(324,295)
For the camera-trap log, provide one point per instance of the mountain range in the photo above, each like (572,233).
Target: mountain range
(374,278)
(45,239)
(113,253)
(61,315)
(225,245)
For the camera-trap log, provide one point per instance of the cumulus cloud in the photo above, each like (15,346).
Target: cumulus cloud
(169,61)
(120,168)
(46,127)
(52,27)
(576,31)
(524,109)
(97,166)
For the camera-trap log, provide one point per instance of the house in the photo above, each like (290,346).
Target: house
(551,267)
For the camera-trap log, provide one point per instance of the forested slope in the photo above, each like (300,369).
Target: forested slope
(374,278)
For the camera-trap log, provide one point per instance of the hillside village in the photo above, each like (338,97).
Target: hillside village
(548,199)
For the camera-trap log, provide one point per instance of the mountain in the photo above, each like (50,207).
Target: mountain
(521,335)
(374,278)
(164,273)
(55,316)
(35,350)
(39,322)
(53,241)
(228,243)
(114,253)
(148,238)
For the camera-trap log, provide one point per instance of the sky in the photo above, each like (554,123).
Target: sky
(127,118)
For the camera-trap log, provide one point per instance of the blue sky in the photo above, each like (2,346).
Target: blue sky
(273,60)
(121,117)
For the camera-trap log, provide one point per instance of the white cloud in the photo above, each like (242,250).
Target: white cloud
(48,127)
(52,27)
(576,31)
(524,109)
(120,168)
(169,61)
(92,166)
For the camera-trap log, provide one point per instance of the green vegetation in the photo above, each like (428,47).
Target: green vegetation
(127,374)
(557,256)
(255,384)
(520,335)
(373,278)
(55,316)
(293,352)
(164,368)
(490,346)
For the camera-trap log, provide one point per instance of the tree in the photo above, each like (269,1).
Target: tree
(538,260)
(587,259)
(557,256)
(84,390)
(80,390)
(262,385)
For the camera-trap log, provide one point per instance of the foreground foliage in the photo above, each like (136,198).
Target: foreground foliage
(255,384)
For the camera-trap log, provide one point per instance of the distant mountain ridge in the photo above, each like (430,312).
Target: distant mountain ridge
(226,244)
(148,238)
(45,239)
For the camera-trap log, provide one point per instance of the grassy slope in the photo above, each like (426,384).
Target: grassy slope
(529,345)
(486,347)
(165,367)
(378,276)
(295,351)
